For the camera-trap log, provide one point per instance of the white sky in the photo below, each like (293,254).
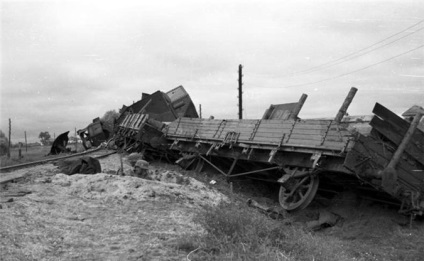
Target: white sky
(64,63)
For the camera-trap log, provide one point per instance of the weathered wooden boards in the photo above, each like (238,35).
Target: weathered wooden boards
(133,121)
(321,134)
(394,129)
(371,154)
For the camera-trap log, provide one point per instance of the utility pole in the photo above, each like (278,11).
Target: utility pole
(10,132)
(76,140)
(240,91)
(26,144)
(200,111)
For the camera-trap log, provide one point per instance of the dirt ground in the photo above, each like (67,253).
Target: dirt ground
(52,216)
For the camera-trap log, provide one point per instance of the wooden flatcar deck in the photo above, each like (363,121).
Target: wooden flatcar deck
(383,150)
(324,135)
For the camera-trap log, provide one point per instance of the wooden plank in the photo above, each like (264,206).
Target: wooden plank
(395,135)
(319,132)
(6,177)
(356,161)
(297,136)
(279,125)
(326,146)
(380,156)
(397,121)
(267,129)
(299,142)
(314,122)
(269,135)
(311,137)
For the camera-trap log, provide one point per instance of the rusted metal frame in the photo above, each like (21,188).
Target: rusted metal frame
(174,144)
(275,150)
(346,145)
(223,127)
(195,133)
(255,129)
(282,141)
(222,123)
(291,131)
(247,150)
(316,157)
(253,172)
(326,132)
(213,145)
(296,172)
(232,166)
(178,125)
(272,154)
(213,165)
(230,138)
(250,153)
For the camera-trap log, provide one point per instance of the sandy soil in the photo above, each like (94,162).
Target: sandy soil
(52,216)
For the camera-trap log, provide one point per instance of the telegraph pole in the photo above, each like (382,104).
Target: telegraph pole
(10,132)
(76,140)
(200,111)
(240,91)
(26,144)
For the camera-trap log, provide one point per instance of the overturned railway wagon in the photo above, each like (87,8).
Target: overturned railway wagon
(383,151)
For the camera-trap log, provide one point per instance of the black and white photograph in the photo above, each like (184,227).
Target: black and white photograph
(212,130)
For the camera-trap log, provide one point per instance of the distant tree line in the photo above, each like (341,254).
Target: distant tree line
(44,137)
(108,119)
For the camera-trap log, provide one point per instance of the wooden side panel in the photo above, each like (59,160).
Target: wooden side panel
(394,128)
(323,134)
(395,136)
(369,156)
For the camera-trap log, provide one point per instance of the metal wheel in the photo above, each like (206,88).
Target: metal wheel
(297,193)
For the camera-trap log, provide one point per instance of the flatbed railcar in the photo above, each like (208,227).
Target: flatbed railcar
(383,151)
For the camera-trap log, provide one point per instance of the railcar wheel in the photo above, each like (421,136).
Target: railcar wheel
(297,193)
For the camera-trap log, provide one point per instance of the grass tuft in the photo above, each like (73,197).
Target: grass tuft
(237,232)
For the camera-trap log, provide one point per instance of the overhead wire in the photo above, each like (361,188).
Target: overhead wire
(360,52)
(359,55)
(358,70)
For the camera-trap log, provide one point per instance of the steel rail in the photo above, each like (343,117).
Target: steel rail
(28,164)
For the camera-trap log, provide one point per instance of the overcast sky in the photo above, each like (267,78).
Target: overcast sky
(65,63)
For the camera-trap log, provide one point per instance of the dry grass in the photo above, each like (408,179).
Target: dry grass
(236,232)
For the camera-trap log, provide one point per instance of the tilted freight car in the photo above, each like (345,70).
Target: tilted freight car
(382,151)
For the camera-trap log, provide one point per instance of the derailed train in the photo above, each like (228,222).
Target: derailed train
(383,151)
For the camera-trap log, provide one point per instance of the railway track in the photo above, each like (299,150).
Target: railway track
(6,176)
